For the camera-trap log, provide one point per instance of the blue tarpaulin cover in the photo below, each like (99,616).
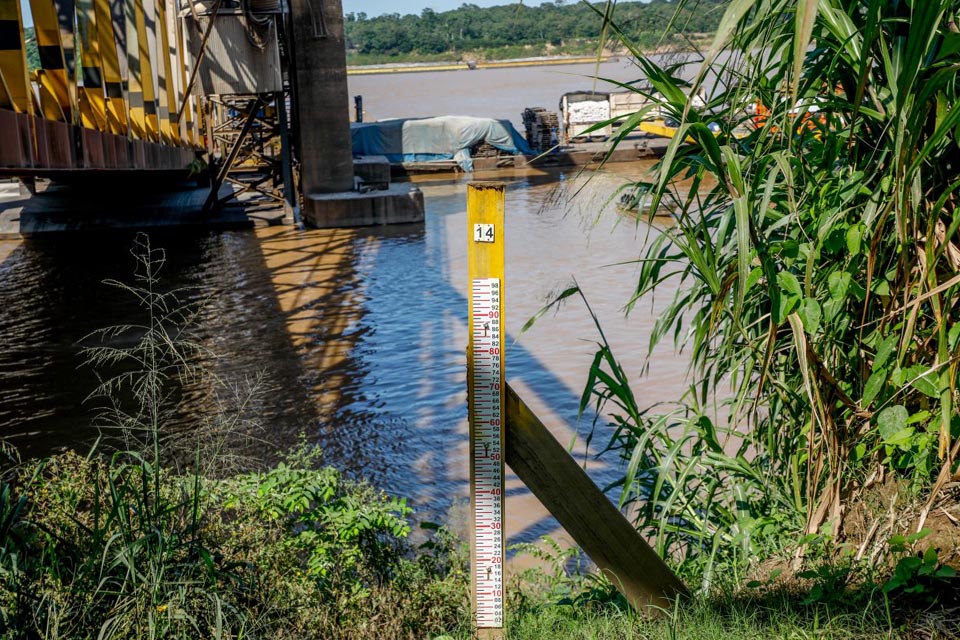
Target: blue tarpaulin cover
(439,138)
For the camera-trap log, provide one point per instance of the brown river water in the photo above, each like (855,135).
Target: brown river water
(355,338)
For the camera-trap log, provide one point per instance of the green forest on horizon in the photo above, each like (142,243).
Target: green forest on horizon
(553,27)
(511,30)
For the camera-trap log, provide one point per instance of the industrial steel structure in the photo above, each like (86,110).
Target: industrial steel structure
(252,92)
(109,93)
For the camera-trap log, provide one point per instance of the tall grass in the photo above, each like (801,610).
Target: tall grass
(137,540)
(814,273)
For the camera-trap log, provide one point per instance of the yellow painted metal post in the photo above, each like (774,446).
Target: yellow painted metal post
(190,132)
(140,93)
(485,385)
(110,62)
(67,19)
(53,79)
(174,91)
(16,94)
(167,91)
(48,104)
(93,105)
(147,39)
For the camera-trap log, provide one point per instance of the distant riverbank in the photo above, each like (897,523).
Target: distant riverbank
(414,67)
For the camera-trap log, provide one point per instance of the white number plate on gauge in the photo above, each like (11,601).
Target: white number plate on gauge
(488,451)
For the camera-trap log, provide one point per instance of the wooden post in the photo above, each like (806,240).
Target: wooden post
(485,383)
(585,513)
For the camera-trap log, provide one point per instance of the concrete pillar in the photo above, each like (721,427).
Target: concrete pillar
(326,153)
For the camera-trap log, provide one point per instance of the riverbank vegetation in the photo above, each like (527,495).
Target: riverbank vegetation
(813,269)
(513,30)
(167,533)
(161,533)
(806,485)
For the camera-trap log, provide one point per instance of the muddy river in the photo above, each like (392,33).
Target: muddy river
(354,338)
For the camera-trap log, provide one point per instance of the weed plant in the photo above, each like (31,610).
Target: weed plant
(118,544)
(813,269)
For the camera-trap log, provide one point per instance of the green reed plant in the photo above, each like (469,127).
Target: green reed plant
(813,270)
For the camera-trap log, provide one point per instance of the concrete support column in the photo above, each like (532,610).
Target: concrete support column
(326,154)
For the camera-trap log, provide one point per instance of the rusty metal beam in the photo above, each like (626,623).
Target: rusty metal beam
(212,199)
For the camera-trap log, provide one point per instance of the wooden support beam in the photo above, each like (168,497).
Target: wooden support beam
(603,533)
(16,93)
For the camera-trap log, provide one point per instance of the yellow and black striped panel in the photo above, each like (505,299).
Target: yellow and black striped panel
(140,83)
(55,92)
(93,106)
(13,60)
(67,19)
(138,125)
(110,63)
(166,90)
(147,41)
(186,101)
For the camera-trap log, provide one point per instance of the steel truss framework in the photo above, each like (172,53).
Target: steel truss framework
(124,108)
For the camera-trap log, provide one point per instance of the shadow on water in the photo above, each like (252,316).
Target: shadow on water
(359,336)
(54,297)
(412,414)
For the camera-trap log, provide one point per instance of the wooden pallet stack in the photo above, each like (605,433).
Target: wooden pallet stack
(542,128)
(484,150)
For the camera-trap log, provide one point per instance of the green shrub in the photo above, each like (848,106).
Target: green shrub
(122,546)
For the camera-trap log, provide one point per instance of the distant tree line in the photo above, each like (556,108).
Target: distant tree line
(33,54)
(471,27)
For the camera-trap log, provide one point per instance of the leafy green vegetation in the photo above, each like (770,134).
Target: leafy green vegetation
(553,27)
(109,547)
(122,545)
(814,272)
(33,53)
